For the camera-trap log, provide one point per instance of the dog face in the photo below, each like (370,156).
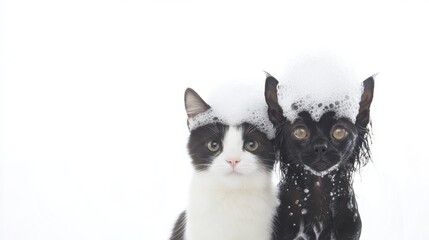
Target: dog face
(323,145)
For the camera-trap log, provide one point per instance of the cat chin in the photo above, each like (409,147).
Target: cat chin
(228,172)
(231,176)
(237,179)
(324,172)
(236,175)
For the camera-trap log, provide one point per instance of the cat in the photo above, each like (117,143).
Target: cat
(317,162)
(231,195)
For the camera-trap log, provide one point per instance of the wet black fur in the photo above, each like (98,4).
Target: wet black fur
(329,199)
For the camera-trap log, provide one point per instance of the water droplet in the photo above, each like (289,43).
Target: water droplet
(306,190)
(290,214)
(294,106)
(297,201)
(304,211)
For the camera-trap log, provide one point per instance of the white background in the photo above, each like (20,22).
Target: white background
(92,123)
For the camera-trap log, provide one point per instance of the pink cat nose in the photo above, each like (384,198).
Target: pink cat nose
(233,162)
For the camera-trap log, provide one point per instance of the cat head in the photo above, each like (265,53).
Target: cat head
(226,151)
(320,146)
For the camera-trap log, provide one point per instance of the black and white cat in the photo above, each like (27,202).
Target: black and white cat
(317,160)
(231,194)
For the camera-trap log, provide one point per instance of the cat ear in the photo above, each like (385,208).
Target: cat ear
(368,92)
(275,112)
(194,104)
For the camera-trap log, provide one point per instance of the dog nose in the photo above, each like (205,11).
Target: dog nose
(320,148)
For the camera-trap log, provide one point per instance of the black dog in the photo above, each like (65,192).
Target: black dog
(317,161)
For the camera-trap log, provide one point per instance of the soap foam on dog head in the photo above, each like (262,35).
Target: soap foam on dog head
(319,84)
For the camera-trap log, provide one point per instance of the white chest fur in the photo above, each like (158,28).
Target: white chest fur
(243,212)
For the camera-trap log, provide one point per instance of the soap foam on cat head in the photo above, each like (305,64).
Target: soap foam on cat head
(235,104)
(319,84)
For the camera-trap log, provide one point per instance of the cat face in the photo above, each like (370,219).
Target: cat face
(227,151)
(230,150)
(323,145)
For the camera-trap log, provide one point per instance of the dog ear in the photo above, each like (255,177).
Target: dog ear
(362,119)
(275,112)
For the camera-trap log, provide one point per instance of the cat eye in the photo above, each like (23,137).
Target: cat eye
(213,145)
(300,133)
(251,145)
(339,133)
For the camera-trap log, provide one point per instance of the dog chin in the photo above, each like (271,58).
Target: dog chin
(321,169)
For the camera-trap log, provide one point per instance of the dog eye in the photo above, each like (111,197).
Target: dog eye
(251,145)
(339,133)
(213,145)
(300,133)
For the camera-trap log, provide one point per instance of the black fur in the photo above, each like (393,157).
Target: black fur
(179,228)
(313,204)
(201,156)
(265,152)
